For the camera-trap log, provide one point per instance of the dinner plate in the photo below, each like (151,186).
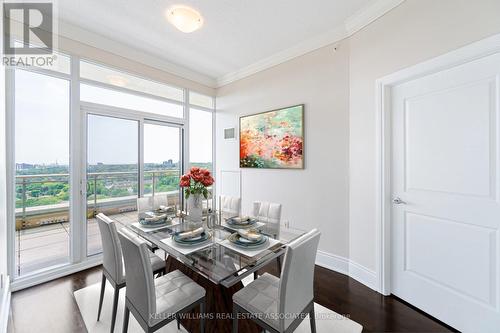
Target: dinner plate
(160,223)
(204,236)
(242,242)
(156,225)
(246,224)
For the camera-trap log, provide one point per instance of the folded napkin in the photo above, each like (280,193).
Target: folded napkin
(163,208)
(156,218)
(251,235)
(241,219)
(191,234)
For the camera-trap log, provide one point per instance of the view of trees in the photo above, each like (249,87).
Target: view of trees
(52,186)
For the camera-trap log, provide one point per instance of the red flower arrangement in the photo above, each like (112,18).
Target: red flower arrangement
(196,182)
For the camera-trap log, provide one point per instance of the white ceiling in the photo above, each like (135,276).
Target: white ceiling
(236,34)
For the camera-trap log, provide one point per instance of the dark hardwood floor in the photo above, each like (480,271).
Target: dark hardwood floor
(51,307)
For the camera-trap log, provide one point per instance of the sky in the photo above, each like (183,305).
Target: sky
(42,127)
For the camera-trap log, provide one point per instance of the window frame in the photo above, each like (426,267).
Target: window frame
(77,165)
(128,90)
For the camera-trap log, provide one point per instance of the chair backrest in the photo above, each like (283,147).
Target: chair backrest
(296,288)
(144,204)
(230,205)
(140,284)
(160,200)
(270,213)
(111,249)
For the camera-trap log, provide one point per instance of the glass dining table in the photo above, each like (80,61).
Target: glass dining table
(219,264)
(217,268)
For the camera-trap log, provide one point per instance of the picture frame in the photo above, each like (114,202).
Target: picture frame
(272,139)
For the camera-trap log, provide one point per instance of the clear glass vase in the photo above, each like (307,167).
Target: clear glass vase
(195,210)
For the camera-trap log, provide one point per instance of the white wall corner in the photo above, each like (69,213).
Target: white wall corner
(5,305)
(368,14)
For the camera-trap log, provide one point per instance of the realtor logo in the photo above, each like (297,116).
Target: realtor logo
(37,23)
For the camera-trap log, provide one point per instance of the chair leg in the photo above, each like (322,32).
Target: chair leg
(235,319)
(125,319)
(103,287)
(312,319)
(279,265)
(255,275)
(202,316)
(115,307)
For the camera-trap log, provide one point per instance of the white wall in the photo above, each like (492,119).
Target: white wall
(340,135)
(316,196)
(416,31)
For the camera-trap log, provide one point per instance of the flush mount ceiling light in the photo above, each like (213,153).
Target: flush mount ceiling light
(184,18)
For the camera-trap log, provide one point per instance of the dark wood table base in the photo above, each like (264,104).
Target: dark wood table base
(219,304)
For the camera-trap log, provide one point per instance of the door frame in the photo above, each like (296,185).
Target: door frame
(383,91)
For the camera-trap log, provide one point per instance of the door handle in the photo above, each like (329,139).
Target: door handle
(398,201)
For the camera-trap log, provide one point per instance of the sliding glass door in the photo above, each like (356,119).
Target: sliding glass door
(126,158)
(112,171)
(162,160)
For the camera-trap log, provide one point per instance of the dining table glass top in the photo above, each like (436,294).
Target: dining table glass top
(216,262)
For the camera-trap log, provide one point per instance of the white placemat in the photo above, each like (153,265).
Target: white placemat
(146,229)
(186,249)
(247,252)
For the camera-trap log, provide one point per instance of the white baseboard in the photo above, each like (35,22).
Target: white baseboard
(5,306)
(333,262)
(348,267)
(364,275)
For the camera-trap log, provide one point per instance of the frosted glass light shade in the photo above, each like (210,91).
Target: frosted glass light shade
(184,18)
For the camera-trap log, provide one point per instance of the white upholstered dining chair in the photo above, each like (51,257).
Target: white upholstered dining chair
(155,302)
(112,263)
(144,204)
(279,304)
(230,205)
(160,200)
(269,213)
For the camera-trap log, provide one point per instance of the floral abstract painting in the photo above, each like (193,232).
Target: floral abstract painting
(273,139)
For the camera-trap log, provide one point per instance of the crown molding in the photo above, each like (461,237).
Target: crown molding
(351,25)
(284,56)
(76,33)
(368,14)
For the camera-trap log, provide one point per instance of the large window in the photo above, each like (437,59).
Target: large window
(121,79)
(200,138)
(128,91)
(41,117)
(123,138)
(93,94)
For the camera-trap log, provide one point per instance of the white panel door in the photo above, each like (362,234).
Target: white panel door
(445,173)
